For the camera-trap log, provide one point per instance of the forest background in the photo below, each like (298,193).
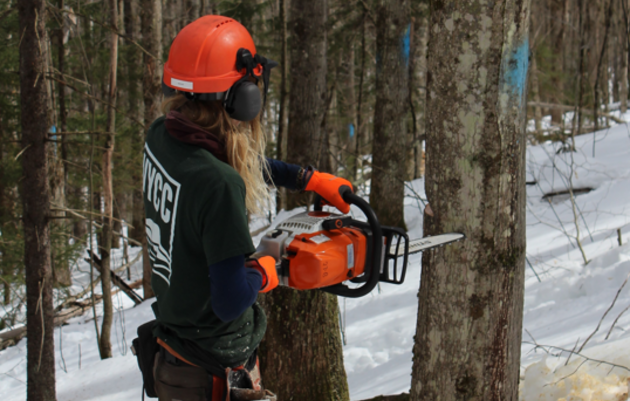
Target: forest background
(102,81)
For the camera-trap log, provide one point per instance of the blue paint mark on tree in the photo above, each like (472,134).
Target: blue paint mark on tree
(514,69)
(351,130)
(53,130)
(405,45)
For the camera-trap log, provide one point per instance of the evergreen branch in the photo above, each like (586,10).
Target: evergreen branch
(6,13)
(368,11)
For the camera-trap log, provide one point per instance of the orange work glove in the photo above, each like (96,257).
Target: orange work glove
(267,267)
(329,187)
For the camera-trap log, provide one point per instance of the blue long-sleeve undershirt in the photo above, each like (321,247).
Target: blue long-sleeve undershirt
(283,174)
(233,287)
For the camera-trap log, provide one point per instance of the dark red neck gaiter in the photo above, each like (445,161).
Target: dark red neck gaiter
(184,130)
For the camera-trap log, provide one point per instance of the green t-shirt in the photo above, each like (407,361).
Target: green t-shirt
(195,216)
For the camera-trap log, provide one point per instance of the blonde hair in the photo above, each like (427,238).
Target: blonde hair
(244,144)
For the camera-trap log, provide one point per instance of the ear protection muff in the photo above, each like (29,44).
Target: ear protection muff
(243,100)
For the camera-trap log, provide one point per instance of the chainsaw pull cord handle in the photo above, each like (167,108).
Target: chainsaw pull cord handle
(377,247)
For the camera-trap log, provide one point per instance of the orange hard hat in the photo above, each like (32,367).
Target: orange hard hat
(214,58)
(203,55)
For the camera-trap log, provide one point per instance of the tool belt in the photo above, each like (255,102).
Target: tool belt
(170,377)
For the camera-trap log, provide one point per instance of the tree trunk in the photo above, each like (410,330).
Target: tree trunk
(108,193)
(389,149)
(193,8)
(301,356)
(468,338)
(133,76)
(40,356)
(358,150)
(421,39)
(281,140)
(151,17)
(536,94)
(623,70)
(307,98)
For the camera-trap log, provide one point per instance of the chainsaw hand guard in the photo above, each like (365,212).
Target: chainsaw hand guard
(376,246)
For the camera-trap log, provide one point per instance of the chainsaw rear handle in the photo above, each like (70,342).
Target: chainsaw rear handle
(372,269)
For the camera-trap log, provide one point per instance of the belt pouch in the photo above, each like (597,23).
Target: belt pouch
(180,382)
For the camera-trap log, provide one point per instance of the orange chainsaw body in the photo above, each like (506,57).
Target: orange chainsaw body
(325,258)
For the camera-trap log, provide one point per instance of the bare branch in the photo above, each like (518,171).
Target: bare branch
(606,313)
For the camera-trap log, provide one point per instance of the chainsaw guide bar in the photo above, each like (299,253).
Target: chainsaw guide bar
(425,243)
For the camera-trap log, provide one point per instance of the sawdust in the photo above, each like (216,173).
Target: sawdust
(576,381)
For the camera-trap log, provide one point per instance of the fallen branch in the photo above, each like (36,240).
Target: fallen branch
(12,337)
(116,280)
(562,107)
(397,397)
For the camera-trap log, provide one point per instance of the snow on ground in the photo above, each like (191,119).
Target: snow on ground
(561,310)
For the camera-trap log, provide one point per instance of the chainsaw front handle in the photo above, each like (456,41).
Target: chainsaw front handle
(373,268)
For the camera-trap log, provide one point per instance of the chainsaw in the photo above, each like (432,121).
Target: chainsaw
(328,251)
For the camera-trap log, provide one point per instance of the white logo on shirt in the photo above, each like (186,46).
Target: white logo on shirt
(162,191)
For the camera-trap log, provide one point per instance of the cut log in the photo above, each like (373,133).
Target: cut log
(12,337)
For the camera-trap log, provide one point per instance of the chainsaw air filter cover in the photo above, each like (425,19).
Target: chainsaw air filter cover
(315,250)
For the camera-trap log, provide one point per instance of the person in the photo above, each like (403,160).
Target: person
(203,173)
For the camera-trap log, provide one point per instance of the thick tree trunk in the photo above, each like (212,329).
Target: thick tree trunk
(281,140)
(307,98)
(468,338)
(301,355)
(40,357)
(389,149)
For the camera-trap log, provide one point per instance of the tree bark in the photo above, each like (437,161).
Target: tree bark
(358,150)
(151,21)
(301,356)
(468,336)
(193,8)
(40,357)
(389,150)
(281,140)
(108,192)
(307,98)
(624,44)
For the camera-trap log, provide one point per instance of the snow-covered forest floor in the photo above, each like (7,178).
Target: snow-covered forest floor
(567,303)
